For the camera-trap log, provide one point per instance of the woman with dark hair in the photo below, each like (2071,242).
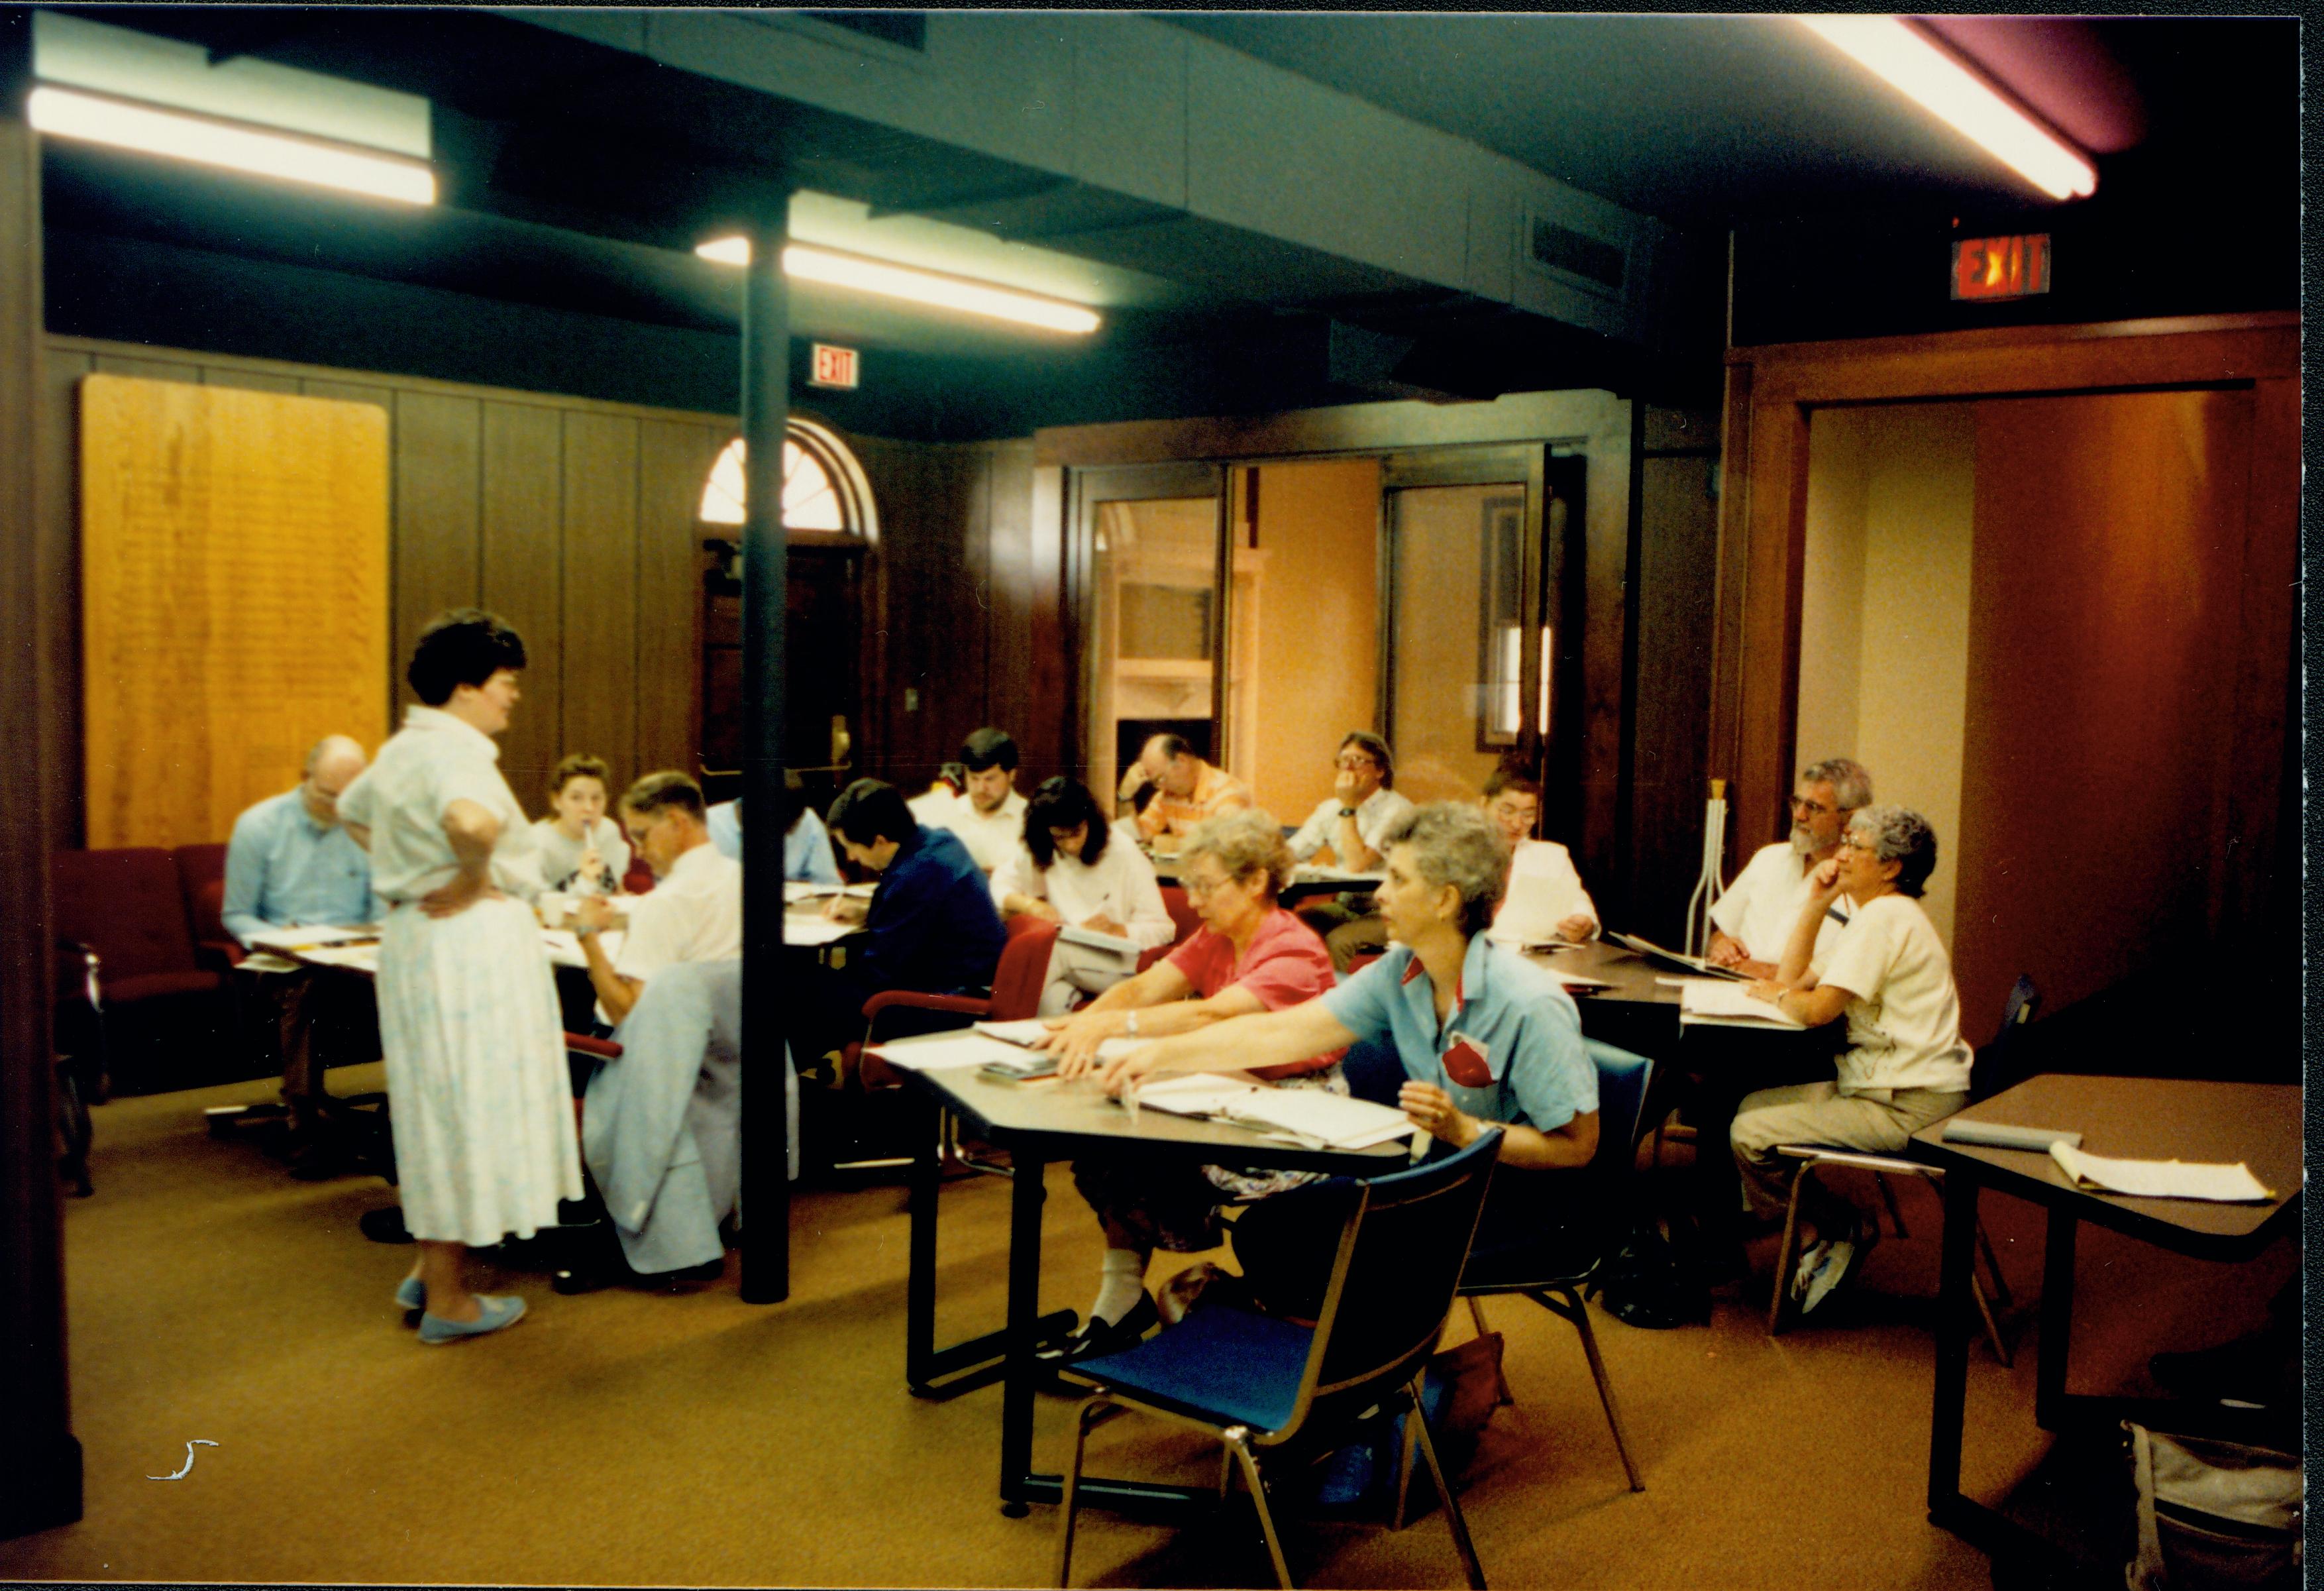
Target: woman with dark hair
(1070,871)
(1905,1067)
(481,1101)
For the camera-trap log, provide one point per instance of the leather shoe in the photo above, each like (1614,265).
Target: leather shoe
(581,1278)
(1095,1338)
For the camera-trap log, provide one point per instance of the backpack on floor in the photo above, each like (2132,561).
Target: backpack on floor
(2213,1514)
(1656,1280)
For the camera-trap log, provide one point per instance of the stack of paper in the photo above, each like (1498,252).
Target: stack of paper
(816,930)
(1311,873)
(1090,938)
(1030,1030)
(1309,1115)
(2232,1184)
(1704,1001)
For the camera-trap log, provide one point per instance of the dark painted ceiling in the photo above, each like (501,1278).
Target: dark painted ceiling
(1706,120)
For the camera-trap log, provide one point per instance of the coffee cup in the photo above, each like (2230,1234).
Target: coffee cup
(556,909)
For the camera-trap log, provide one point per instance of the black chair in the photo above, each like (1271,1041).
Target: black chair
(1588,1212)
(1989,1064)
(1262,1385)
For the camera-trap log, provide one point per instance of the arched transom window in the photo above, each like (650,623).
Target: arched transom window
(824,488)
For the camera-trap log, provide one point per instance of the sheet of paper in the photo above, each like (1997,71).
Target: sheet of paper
(565,946)
(1030,1029)
(298,938)
(1114,944)
(1336,1119)
(1309,873)
(2223,1184)
(952,1050)
(265,961)
(816,930)
(1708,997)
(355,958)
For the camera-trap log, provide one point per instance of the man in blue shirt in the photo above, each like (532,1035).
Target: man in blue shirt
(1487,1038)
(807,845)
(292,864)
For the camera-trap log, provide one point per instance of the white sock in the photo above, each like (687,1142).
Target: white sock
(1121,1282)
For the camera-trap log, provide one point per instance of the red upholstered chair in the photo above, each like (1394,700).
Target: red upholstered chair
(1182,917)
(1016,994)
(639,879)
(128,911)
(202,874)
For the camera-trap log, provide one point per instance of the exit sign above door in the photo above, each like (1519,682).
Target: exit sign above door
(2001,267)
(835,366)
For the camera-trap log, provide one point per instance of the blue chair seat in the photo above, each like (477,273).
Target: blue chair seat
(1219,1364)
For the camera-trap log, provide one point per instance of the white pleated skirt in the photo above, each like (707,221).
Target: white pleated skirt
(478,1093)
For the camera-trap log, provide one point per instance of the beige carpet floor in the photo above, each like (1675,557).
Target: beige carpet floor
(624,1438)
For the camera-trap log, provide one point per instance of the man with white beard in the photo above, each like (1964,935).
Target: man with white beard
(1750,921)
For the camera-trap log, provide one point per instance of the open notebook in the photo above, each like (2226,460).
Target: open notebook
(1310,1116)
(1684,963)
(1725,1004)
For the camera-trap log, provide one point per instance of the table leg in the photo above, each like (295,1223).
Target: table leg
(2057,1317)
(921,1247)
(1023,1330)
(1948,1407)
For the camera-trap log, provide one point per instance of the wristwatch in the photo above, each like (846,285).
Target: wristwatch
(1129,1025)
(585,931)
(1347,811)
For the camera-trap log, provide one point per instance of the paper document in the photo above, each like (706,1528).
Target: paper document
(1311,1115)
(265,961)
(816,930)
(953,1049)
(1027,1031)
(1576,980)
(1531,944)
(354,958)
(1696,963)
(1703,997)
(1073,934)
(796,890)
(296,937)
(2232,1184)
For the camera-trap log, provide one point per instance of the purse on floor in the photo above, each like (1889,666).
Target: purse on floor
(2213,1513)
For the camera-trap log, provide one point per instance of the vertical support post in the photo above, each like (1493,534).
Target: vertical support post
(40,1461)
(768,997)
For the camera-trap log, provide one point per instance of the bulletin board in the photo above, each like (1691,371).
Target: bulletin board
(234,597)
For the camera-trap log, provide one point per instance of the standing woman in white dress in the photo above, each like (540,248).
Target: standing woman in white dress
(478,1093)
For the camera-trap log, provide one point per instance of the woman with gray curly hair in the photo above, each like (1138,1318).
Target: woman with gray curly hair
(1905,1065)
(1249,956)
(1485,1038)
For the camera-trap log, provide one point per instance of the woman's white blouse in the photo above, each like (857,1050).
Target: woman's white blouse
(1122,886)
(433,761)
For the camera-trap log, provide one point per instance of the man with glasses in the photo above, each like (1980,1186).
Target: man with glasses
(1363,806)
(291,863)
(1752,920)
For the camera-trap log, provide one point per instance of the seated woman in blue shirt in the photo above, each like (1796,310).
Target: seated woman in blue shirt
(1486,1039)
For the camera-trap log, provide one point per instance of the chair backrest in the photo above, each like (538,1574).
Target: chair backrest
(126,905)
(1373,1069)
(1591,1205)
(2000,1065)
(1023,969)
(202,874)
(1182,911)
(1401,1249)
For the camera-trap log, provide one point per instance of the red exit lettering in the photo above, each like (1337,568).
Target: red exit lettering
(835,366)
(2001,267)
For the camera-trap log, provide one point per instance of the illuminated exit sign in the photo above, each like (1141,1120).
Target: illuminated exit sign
(2001,267)
(835,367)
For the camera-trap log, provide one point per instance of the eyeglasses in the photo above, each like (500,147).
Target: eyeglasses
(1855,841)
(1354,762)
(1199,886)
(1802,804)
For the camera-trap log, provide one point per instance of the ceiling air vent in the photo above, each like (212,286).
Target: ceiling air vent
(1589,262)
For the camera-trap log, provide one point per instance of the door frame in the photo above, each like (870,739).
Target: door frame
(1772,395)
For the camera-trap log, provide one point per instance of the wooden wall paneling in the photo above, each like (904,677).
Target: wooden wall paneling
(253,381)
(149,368)
(1050,685)
(2261,878)
(40,1461)
(56,555)
(1723,745)
(1606,536)
(601,615)
(2108,583)
(1009,584)
(353,391)
(521,510)
(673,461)
(437,537)
(1767,659)
(1677,556)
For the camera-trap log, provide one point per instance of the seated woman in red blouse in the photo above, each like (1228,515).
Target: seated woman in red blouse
(1249,956)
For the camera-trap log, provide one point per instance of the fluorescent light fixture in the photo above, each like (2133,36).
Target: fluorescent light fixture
(67,113)
(915,286)
(1914,64)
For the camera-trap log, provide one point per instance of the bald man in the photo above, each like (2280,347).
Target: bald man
(292,864)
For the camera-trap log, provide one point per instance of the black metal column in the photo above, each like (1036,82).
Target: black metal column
(766,997)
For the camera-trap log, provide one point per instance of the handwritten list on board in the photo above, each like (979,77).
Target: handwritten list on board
(234,597)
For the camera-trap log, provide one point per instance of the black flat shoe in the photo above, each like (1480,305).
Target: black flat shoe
(1094,1338)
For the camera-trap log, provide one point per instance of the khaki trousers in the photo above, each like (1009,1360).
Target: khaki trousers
(1878,1122)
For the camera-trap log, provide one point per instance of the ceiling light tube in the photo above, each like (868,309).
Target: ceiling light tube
(808,263)
(68,113)
(1911,62)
